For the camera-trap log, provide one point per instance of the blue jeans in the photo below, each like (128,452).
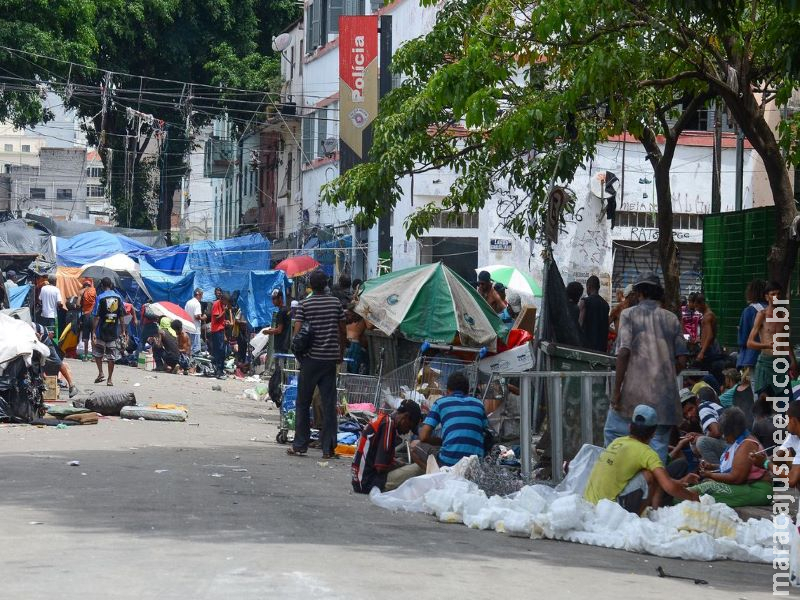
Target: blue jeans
(218,351)
(618,426)
(195,338)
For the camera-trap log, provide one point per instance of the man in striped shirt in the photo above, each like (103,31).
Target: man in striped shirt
(462,419)
(705,410)
(374,463)
(318,367)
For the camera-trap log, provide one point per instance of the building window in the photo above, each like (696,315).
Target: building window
(322,131)
(37,193)
(95,172)
(324,18)
(94,191)
(63,194)
(309,121)
(26,147)
(8,147)
(648,220)
(455,220)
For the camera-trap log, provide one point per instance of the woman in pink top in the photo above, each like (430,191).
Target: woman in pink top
(740,479)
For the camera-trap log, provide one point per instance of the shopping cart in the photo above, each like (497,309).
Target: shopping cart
(289,373)
(425,379)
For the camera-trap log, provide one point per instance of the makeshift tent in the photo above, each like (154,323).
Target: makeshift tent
(68,229)
(169,260)
(227,263)
(121,263)
(256,299)
(17,239)
(161,286)
(93,246)
(69,280)
(18,295)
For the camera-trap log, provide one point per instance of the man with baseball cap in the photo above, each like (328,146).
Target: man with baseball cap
(650,351)
(629,471)
(487,291)
(281,324)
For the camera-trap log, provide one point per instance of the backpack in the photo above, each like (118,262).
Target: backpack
(274,390)
(109,311)
(302,340)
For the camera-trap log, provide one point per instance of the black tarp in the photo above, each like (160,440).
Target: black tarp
(557,326)
(18,239)
(68,229)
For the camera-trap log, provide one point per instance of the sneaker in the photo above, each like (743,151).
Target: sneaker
(222,377)
(73,391)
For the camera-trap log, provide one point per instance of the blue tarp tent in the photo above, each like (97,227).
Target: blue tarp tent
(256,298)
(170,260)
(18,295)
(163,286)
(227,263)
(93,246)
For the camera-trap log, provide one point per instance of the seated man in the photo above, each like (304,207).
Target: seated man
(165,347)
(630,472)
(463,421)
(374,463)
(786,461)
(704,409)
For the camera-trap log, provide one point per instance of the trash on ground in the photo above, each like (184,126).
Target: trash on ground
(74,463)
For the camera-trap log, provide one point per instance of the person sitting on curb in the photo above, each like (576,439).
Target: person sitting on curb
(55,358)
(463,421)
(745,482)
(703,409)
(630,472)
(374,463)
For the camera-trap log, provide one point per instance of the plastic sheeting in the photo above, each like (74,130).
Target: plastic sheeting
(16,237)
(227,263)
(18,339)
(93,246)
(68,229)
(256,298)
(162,286)
(18,295)
(69,280)
(170,260)
(702,530)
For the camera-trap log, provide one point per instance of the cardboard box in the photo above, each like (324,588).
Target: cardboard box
(52,391)
(510,361)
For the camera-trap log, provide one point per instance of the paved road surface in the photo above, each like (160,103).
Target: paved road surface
(214,508)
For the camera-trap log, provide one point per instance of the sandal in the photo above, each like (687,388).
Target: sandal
(331,456)
(109,383)
(100,379)
(293,452)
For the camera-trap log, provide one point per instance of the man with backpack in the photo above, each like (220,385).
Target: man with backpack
(108,328)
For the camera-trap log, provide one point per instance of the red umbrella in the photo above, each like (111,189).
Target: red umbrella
(173,311)
(297,265)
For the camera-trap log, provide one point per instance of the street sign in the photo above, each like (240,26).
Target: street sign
(499,245)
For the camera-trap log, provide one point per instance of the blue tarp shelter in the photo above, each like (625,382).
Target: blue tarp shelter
(256,298)
(163,286)
(170,260)
(227,263)
(92,246)
(18,295)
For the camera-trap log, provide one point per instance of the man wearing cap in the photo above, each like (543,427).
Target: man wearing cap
(11,281)
(630,473)
(281,324)
(194,308)
(704,410)
(488,293)
(650,343)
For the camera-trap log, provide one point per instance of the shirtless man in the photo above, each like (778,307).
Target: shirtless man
(710,355)
(762,337)
(356,340)
(487,291)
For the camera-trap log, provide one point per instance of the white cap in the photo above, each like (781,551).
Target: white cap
(295,303)
(628,290)
(276,292)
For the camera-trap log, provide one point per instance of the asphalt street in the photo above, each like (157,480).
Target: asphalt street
(214,508)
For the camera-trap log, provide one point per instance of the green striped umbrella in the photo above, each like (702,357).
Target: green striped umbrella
(513,279)
(430,303)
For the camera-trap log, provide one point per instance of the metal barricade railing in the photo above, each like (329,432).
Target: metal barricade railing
(530,398)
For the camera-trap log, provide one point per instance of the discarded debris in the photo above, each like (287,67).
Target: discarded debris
(74,463)
(160,470)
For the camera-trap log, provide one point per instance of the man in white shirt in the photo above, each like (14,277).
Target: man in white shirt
(50,299)
(195,310)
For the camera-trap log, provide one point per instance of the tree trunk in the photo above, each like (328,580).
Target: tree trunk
(746,110)
(667,249)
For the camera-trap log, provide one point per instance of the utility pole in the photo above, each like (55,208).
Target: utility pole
(385,86)
(716,195)
(739,167)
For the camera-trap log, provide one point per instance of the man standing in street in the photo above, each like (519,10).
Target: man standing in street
(325,316)
(281,324)
(194,309)
(108,329)
(218,341)
(650,343)
(710,355)
(88,297)
(50,299)
(593,317)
